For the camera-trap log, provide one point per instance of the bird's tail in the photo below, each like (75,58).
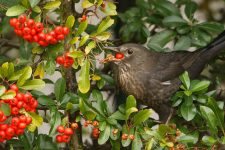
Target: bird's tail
(207,53)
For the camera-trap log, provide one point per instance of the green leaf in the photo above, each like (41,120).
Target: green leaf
(89,47)
(5,108)
(52,4)
(83,80)
(33,84)
(82,27)
(200,86)
(118,116)
(219,114)
(183,43)
(174,21)
(128,131)
(27,71)
(36,121)
(33,2)
(137,143)
(159,40)
(37,9)
(130,102)
(190,9)
(129,111)
(185,80)
(70,21)
(60,88)
(55,121)
(44,142)
(208,140)
(210,117)
(142,116)
(188,112)
(109,9)
(105,24)
(40,72)
(83,40)
(211,27)
(89,115)
(50,67)
(2,90)
(8,95)
(166,8)
(45,100)
(4,70)
(104,135)
(15,10)
(103,36)
(189,139)
(86,4)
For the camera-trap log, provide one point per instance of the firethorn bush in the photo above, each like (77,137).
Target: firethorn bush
(55,72)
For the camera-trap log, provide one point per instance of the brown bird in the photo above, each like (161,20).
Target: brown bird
(153,77)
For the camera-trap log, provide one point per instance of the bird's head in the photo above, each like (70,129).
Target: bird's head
(129,54)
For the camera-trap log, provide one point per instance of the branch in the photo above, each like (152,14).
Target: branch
(8,43)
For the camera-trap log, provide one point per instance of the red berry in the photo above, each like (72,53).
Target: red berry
(66,138)
(15,111)
(58,30)
(30,23)
(66,30)
(48,38)
(60,37)
(59,138)
(1,114)
(124,136)
(53,41)
(14,87)
(9,132)
(19,96)
(60,60)
(52,33)
(27,97)
(34,104)
(84,18)
(13,22)
(22,18)
(15,121)
(3,126)
(29,120)
(14,101)
(3,118)
(33,32)
(2,134)
(39,27)
(26,31)
(22,125)
(42,36)
(23,118)
(19,104)
(60,129)
(36,38)
(119,55)
(19,131)
(68,131)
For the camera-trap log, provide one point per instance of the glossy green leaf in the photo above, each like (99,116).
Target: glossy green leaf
(130,102)
(82,27)
(52,4)
(212,27)
(137,143)
(34,2)
(189,139)
(55,121)
(188,112)
(83,80)
(83,40)
(45,100)
(89,47)
(105,24)
(183,43)
(2,90)
(60,88)
(129,111)
(118,116)
(86,4)
(109,9)
(190,9)
(159,40)
(185,80)
(103,36)
(200,86)
(104,135)
(166,8)
(142,116)
(208,140)
(27,71)
(210,117)
(36,121)
(8,95)
(174,21)
(5,108)
(33,84)
(15,10)
(70,21)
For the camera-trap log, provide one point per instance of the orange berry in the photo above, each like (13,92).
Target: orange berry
(131,137)
(124,136)
(74,125)
(95,123)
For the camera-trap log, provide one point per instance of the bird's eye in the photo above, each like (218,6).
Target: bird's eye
(130,51)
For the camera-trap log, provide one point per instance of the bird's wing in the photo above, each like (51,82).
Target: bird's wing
(169,66)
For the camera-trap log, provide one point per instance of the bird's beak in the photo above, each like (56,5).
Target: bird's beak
(115,49)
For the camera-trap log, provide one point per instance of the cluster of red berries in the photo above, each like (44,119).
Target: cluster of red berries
(95,130)
(65,60)
(16,122)
(65,133)
(126,136)
(33,31)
